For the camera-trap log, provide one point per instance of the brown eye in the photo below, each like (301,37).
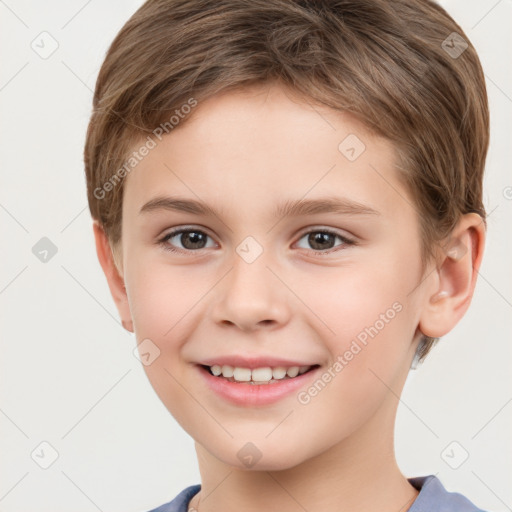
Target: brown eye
(193,239)
(324,240)
(319,241)
(190,240)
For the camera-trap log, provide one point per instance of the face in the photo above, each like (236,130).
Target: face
(332,285)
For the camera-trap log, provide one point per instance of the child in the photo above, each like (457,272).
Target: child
(287,204)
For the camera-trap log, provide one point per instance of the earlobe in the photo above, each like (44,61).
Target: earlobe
(455,277)
(114,277)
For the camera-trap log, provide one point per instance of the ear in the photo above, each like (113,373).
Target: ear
(114,276)
(455,277)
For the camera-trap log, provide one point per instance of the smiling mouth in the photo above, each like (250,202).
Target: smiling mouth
(264,375)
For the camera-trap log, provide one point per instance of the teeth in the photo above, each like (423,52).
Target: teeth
(293,371)
(227,371)
(242,374)
(216,369)
(279,372)
(262,375)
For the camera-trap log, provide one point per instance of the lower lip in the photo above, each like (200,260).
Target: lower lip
(245,394)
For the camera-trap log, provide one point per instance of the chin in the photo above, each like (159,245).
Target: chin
(266,465)
(269,459)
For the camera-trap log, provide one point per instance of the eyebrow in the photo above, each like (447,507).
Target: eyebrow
(288,208)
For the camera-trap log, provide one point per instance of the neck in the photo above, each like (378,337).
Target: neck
(359,474)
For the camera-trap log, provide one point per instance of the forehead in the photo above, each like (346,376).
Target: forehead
(256,147)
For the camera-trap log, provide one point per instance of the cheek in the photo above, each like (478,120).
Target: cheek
(348,300)
(366,319)
(372,331)
(162,300)
(162,296)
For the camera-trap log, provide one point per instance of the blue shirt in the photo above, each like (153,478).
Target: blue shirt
(433,497)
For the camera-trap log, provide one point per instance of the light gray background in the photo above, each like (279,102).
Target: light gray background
(68,374)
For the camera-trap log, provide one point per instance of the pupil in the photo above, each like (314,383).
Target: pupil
(321,240)
(196,240)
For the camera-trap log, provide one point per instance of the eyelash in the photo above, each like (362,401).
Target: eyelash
(163,242)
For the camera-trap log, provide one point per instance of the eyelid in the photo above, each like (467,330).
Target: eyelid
(324,229)
(162,240)
(347,241)
(185,227)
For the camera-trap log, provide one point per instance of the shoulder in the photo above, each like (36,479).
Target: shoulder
(433,497)
(180,503)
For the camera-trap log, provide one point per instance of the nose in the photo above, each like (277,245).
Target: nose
(251,297)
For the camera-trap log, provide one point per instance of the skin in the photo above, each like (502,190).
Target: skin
(243,152)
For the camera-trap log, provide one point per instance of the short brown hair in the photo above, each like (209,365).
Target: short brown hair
(405,68)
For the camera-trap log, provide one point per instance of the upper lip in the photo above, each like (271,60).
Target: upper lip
(253,362)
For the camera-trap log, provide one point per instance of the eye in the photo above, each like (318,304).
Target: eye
(323,239)
(190,240)
(185,240)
